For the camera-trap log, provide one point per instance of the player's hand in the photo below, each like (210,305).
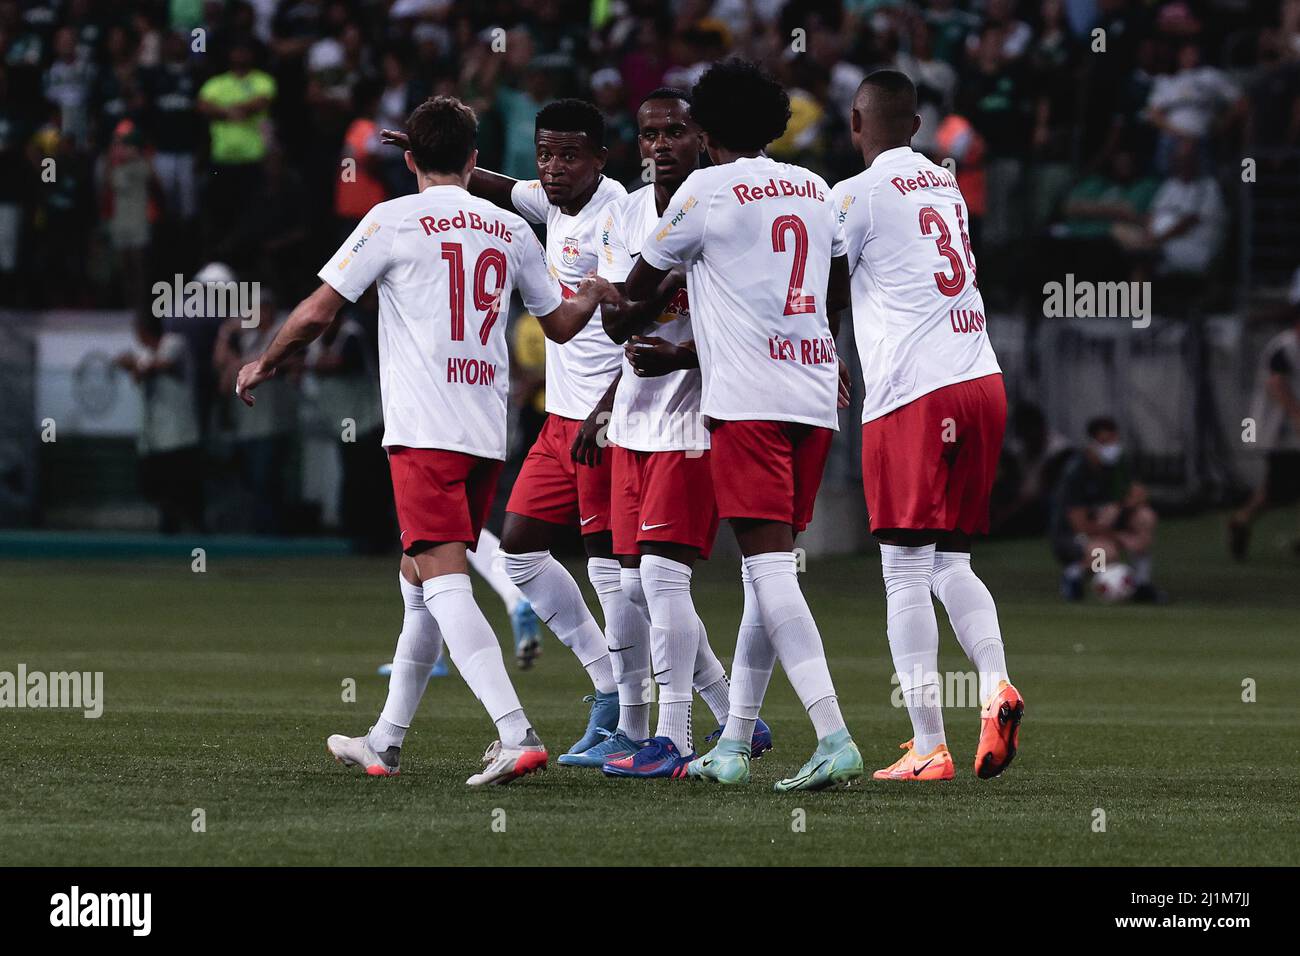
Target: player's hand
(393,137)
(846,385)
(651,356)
(602,289)
(250,376)
(587,444)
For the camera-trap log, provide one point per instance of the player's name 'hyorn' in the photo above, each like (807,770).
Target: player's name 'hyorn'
(752,192)
(925,179)
(463,220)
(471,371)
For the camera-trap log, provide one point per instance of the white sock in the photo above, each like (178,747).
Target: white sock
(558,602)
(627,635)
(793,632)
(476,653)
(914,638)
(752,668)
(973,616)
(488,560)
(675,638)
(710,678)
(418,647)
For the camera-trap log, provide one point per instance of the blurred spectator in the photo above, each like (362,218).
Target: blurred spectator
(67,83)
(264,433)
(360,184)
(1187,216)
(1192,103)
(1100,515)
(623,162)
(1276,413)
(171,473)
(236,102)
(16,179)
(130,192)
(173,127)
(1102,215)
(344,374)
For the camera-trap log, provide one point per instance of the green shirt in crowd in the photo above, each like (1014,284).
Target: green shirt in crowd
(1136,194)
(242,140)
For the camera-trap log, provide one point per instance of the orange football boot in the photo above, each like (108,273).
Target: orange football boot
(936,765)
(999,731)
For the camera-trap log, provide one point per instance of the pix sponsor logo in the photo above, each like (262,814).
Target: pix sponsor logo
(77,909)
(207,300)
(53,690)
(1098,300)
(687,206)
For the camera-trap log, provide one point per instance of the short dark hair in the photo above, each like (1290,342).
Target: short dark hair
(573,116)
(442,131)
(899,93)
(667,93)
(740,105)
(1102,423)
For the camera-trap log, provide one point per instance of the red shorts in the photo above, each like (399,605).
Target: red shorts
(663,496)
(930,465)
(553,487)
(768,470)
(441,495)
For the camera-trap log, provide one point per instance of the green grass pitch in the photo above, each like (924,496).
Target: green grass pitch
(221,688)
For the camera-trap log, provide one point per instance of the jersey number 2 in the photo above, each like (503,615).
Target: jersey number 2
(797,302)
(487,301)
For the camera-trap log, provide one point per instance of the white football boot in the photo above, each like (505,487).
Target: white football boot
(357,752)
(502,764)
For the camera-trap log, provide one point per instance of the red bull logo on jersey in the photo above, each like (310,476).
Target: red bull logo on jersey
(570,252)
(925,179)
(463,220)
(677,308)
(746,192)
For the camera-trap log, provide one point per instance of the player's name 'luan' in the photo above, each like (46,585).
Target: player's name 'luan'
(463,220)
(925,179)
(752,192)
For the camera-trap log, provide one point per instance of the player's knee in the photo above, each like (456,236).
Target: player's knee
(630,581)
(907,568)
(522,568)
(949,567)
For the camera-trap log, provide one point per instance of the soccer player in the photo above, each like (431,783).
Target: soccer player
(933,419)
(758,238)
(445,263)
(663,510)
(565,479)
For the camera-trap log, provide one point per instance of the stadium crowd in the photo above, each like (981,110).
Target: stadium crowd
(141,139)
(186,131)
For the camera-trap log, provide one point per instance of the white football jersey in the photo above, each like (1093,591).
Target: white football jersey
(446,263)
(758,237)
(918,317)
(579,371)
(660,413)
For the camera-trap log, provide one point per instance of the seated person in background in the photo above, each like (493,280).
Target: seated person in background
(1102,214)
(1276,411)
(1101,515)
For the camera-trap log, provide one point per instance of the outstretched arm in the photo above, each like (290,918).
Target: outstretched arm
(305,324)
(573,314)
(643,280)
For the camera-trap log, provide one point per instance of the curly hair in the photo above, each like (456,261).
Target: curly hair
(573,116)
(740,106)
